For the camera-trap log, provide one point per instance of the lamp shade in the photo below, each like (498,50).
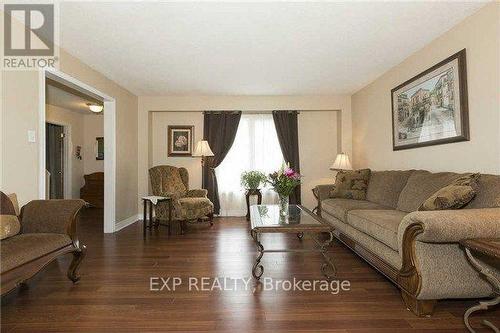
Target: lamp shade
(203,149)
(341,163)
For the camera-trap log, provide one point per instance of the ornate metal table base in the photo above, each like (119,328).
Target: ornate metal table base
(483,305)
(257,269)
(328,268)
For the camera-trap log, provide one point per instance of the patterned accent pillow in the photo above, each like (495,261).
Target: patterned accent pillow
(9,222)
(455,195)
(351,184)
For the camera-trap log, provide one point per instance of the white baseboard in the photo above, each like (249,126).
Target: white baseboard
(128,221)
(233,213)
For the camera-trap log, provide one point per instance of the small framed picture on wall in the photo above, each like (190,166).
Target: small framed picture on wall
(99,154)
(180,140)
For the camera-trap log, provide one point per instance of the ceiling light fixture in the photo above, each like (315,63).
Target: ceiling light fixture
(95,108)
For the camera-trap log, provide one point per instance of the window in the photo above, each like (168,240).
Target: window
(255,147)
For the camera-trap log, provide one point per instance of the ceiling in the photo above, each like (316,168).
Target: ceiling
(260,48)
(66,100)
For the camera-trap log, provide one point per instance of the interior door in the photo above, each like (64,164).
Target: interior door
(54,159)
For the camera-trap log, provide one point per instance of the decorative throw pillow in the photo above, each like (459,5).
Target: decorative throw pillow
(15,203)
(9,222)
(351,184)
(455,195)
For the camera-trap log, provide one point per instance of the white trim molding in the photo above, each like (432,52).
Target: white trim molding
(68,161)
(128,221)
(41,136)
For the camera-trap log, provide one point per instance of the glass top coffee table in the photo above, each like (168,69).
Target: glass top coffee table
(300,221)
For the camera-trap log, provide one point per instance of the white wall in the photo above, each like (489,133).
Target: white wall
(19,115)
(372,124)
(93,126)
(318,142)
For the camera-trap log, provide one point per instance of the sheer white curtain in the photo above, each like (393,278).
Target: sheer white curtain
(255,147)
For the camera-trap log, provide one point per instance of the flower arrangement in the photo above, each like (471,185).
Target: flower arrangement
(284,180)
(251,180)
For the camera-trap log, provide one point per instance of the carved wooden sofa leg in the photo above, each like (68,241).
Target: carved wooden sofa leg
(78,255)
(211,219)
(421,308)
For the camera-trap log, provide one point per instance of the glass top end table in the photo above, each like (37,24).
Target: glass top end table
(483,254)
(300,220)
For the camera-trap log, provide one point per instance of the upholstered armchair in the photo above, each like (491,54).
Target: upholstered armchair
(188,205)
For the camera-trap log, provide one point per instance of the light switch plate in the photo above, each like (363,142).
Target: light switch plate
(31,136)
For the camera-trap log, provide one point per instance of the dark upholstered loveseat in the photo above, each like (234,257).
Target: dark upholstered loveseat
(417,250)
(48,230)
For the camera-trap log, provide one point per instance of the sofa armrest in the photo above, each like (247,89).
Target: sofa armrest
(452,226)
(323,191)
(197,193)
(51,216)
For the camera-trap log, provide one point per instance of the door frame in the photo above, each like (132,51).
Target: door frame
(109,139)
(68,164)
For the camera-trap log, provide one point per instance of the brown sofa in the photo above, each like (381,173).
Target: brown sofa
(48,230)
(417,250)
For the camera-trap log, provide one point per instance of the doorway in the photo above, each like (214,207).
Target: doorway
(54,161)
(109,104)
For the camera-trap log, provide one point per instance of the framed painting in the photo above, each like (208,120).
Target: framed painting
(99,155)
(180,140)
(431,108)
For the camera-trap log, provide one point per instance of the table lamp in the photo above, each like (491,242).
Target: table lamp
(203,150)
(341,163)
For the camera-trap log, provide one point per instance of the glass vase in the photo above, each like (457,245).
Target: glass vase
(283,205)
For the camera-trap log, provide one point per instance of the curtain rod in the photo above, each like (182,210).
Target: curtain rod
(251,111)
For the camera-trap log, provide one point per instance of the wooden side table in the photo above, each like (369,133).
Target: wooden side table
(490,250)
(148,203)
(248,193)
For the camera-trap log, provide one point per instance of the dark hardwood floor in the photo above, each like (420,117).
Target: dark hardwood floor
(113,294)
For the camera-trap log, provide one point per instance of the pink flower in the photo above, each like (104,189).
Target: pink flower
(289,172)
(292,174)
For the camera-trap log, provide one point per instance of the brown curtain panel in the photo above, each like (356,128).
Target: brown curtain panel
(219,129)
(286,123)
